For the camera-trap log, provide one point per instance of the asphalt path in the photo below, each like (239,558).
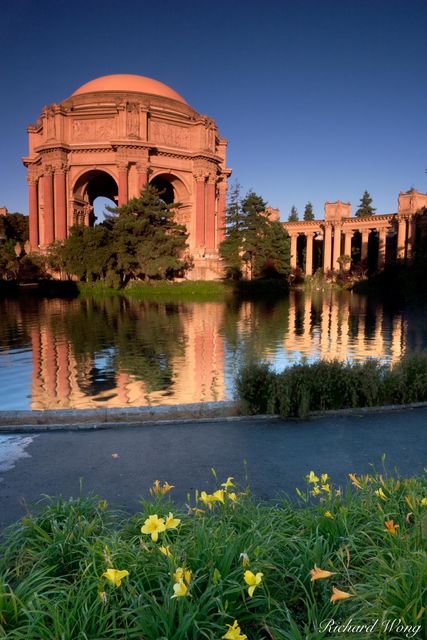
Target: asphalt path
(120,464)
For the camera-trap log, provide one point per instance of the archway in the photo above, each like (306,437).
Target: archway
(94,185)
(165,189)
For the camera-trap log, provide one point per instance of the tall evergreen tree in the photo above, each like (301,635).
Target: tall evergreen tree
(365,208)
(308,212)
(230,247)
(293,216)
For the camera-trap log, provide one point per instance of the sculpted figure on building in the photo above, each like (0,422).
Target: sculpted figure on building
(112,136)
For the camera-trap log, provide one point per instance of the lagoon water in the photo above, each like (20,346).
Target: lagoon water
(115,352)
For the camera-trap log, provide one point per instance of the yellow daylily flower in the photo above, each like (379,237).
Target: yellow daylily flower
(166,551)
(234,632)
(423,502)
(218,495)
(328,514)
(182,574)
(339,595)
(326,488)
(195,510)
(320,574)
(180,589)
(232,496)
(312,478)
(380,493)
(245,559)
(153,526)
(253,580)
(324,478)
(158,490)
(207,499)
(171,522)
(228,483)
(115,576)
(391,527)
(315,491)
(354,480)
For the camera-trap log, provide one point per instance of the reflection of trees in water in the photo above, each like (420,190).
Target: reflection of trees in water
(138,338)
(253,329)
(14,324)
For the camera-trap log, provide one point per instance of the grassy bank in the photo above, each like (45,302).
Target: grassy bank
(78,571)
(324,385)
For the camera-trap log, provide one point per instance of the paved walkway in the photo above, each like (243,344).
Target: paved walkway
(121,464)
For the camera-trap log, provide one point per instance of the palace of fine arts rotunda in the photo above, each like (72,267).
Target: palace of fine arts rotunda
(117,133)
(112,136)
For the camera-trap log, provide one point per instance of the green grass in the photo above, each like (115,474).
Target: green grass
(331,384)
(162,291)
(51,566)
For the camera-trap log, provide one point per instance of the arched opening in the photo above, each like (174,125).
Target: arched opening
(165,189)
(94,185)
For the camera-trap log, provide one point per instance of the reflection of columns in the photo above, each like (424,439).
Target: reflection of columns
(382,239)
(293,250)
(123,184)
(210,214)
(222,205)
(60,204)
(364,247)
(309,254)
(401,238)
(337,247)
(33,212)
(49,228)
(327,247)
(412,228)
(63,382)
(347,248)
(200,210)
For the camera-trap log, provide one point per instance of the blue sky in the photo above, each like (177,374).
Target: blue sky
(319,99)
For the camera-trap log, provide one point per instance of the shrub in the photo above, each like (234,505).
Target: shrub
(254,385)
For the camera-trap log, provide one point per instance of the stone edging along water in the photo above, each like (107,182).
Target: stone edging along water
(90,419)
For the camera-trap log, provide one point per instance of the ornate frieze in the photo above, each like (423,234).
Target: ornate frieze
(91,130)
(170,135)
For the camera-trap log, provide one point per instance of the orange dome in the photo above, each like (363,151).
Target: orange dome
(129,82)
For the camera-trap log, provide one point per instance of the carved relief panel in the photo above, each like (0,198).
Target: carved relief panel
(91,130)
(170,135)
(132,120)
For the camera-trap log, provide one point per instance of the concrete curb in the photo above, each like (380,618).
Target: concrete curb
(197,413)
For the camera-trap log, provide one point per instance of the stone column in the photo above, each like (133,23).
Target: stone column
(364,247)
(309,254)
(123,184)
(33,211)
(382,240)
(49,224)
(412,229)
(142,170)
(294,237)
(327,248)
(401,238)
(60,204)
(347,248)
(200,210)
(222,206)
(337,247)
(210,213)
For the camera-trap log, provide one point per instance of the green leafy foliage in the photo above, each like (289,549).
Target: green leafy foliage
(255,246)
(365,207)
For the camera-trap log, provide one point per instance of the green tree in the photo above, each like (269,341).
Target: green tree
(254,245)
(230,247)
(365,208)
(15,227)
(293,216)
(308,212)
(147,242)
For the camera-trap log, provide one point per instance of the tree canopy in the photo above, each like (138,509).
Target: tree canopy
(293,216)
(308,212)
(365,208)
(254,245)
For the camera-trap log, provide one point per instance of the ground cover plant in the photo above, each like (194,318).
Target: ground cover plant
(226,567)
(331,384)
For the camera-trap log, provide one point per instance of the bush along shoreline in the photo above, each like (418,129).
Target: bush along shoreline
(326,385)
(227,567)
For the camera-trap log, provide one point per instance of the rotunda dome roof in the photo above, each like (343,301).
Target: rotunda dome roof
(123,82)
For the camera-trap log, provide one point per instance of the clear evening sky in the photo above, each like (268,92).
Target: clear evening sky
(319,99)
